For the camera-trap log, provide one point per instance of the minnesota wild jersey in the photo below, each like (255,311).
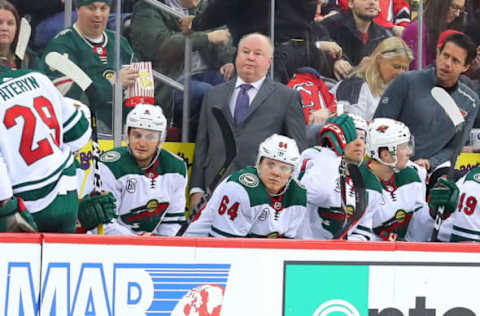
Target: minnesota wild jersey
(241,207)
(405,215)
(97,60)
(464,223)
(148,201)
(39,130)
(319,173)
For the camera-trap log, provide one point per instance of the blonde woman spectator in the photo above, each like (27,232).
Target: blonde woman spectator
(365,86)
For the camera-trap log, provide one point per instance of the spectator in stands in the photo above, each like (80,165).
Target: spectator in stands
(156,34)
(91,46)
(356,33)
(438,16)
(255,106)
(363,89)
(408,99)
(9,28)
(393,15)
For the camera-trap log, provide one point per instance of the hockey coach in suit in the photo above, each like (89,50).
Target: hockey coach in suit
(255,107)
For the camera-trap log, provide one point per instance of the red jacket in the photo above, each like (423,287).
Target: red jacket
(314,93)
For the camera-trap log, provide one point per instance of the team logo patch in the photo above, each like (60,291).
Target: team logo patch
(277,205)
(400,215)
(382,128)
(476,177)
(273,235)
(131,185)
(248,179)
(110,156)
(350,210)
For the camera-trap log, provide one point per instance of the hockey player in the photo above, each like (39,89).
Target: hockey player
(404,214)
(39,131)
(342,137)
(148,182)
(461,209)
(264,201)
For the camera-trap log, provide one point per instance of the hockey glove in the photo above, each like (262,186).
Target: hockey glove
(96,209)
(337,133)
(444,193)
(14,217)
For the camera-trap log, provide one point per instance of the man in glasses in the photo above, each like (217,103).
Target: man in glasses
(148,182)
(264,201)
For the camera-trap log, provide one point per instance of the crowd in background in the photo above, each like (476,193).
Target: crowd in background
(351,54)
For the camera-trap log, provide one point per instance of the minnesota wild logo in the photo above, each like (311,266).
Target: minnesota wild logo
(382,128)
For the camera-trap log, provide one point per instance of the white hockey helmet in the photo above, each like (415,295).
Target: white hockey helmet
(387,133)
(147,116)
(280,148)
(360,122)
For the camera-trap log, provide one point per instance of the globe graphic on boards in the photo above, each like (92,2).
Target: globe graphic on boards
(203,300)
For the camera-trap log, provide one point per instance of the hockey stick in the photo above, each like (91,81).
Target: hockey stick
(230,153)
(360,202)
(64,65)
(359,188)
(451,109)
(23,38)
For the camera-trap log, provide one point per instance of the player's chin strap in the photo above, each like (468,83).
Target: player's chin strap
(392,165)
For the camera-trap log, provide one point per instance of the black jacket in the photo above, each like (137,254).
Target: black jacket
(292,17)
(343,31)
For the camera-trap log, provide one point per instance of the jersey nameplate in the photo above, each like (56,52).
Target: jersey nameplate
(248,179)
(110,156)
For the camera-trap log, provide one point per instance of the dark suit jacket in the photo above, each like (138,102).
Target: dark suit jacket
(275,109)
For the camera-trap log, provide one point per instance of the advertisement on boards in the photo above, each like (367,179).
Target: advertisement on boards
(388,289)
(74,283)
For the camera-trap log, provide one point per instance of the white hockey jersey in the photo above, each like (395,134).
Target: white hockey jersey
(464,223)
(241,207)
(39,130)
(404,214)
(319,173)
(148,201)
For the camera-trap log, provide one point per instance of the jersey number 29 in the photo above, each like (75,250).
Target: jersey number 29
(44,146)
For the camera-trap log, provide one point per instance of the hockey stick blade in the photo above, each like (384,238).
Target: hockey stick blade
(451,109)
(360,201)
(448,105)
(230,153)
(23,37)
(64,65)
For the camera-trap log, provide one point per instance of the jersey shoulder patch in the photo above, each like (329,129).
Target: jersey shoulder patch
(120,162)
(110,156)
(473,175)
